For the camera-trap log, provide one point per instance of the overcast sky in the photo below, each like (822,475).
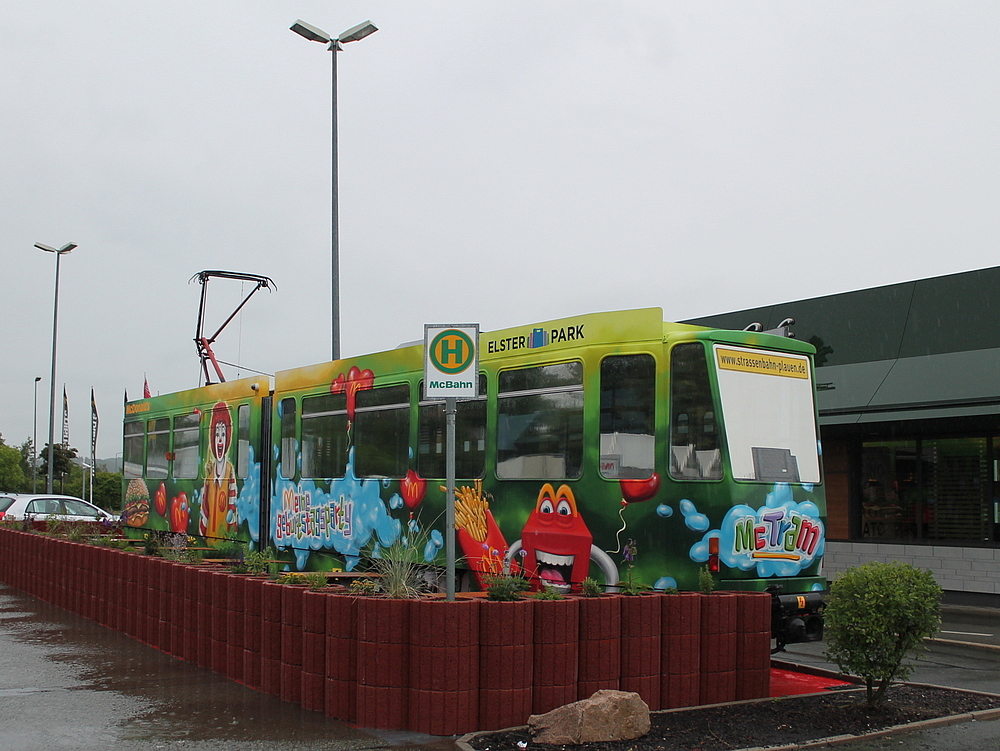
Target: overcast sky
(500,162)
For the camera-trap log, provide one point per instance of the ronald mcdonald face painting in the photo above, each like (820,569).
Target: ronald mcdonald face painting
(218,499)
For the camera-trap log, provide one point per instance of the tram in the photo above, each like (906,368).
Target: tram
(609,445)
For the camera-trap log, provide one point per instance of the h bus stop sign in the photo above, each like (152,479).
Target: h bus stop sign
(451,372)
(451,361)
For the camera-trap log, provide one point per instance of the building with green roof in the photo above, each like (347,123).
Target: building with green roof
(908,380)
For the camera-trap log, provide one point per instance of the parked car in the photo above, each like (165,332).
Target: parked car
(40,507)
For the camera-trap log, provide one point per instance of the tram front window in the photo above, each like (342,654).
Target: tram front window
(769,414)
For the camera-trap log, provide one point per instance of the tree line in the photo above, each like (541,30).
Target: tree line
(69,478)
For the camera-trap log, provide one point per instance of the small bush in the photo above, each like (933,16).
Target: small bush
(877,615)
(315,580)
(363,587)
(399,569)
(256,561)
(547,593)
(706,582)
(591,587)
(505,588)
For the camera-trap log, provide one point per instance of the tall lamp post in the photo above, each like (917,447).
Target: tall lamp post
(353,34)
(34,442)
(55,320)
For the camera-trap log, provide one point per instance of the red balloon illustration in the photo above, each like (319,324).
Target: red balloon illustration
(636,491)
(179,513)
(354,381)
(413,487)
(160,500)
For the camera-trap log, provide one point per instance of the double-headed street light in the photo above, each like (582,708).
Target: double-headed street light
(55,320)
(353,34)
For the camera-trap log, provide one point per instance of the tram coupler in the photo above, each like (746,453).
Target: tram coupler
(795,618)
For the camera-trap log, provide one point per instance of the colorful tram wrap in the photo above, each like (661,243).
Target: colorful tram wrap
(609,445)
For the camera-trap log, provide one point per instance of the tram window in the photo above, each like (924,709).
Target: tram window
(540,422)
(288,438)
(243,441)
(324,435)
(157,447)
(628,399)
(470,437)
(134,440)
(694,440)
(186,444)
(382,431)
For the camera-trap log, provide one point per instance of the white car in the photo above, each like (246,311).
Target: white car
(42,506)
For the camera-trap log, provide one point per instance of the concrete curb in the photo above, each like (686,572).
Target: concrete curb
(464,743)
(992,650)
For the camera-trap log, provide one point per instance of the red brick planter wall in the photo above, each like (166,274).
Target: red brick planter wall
(556,653)
(341,658)
(640,646)
(718,648)
(444,666)
(600,645)
(383,662)
(753,645)
(423,665)
(506,662)
(680,655)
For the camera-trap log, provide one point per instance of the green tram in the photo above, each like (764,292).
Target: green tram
(609,445)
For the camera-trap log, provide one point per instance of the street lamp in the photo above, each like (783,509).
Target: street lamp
(55,320)
(353,34)
(34,442)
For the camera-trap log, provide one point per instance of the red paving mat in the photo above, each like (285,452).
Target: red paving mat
(787,683)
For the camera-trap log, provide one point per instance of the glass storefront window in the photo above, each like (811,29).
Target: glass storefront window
(956,489)
(889,496)
(928,489)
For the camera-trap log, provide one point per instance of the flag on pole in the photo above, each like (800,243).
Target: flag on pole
(145,387)
(93,428)
(65,433)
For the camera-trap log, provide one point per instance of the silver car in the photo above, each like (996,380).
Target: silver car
(42,506)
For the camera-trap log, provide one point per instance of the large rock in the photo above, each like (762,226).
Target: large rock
(606,716)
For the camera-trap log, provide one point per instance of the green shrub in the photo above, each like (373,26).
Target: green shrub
(547,593)
(256,561)
(706,582)
(506,588)
(877,615)
(315,580)
(591,587)
(363,587)
(399,567)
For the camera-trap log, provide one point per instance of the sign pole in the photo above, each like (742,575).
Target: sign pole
(449,468)
(451,372)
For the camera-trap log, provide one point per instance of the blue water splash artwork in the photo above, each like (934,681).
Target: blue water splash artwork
(780,538)
(665,582)
(349,515)
(248,501)
(664,510)
(693,520)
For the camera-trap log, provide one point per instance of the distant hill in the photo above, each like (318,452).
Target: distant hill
(110,465)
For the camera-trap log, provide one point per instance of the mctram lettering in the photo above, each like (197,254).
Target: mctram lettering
(299,518)
(774,533)
(563,334)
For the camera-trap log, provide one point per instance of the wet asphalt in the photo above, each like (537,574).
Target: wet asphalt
(69,683)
